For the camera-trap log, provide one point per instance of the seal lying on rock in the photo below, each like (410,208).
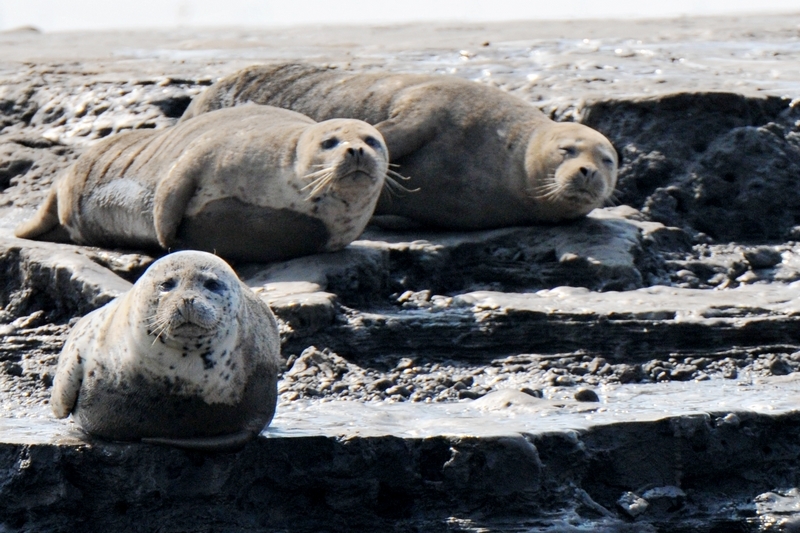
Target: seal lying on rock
(189,356)
(481,158)
(256,183)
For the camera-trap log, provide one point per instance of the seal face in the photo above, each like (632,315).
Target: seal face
(188,352)
(254,183)
(479,157)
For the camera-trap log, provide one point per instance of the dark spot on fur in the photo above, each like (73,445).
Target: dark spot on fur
(80,359)
(208,361)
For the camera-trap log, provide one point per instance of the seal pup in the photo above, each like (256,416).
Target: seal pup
(189,356)
(480,157)
(255,184)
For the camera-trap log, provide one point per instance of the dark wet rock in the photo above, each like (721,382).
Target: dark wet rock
(763,257)
(586,395)
(780,367)
(390,482)
(667,499)
(630,373)
(54,278)
(532,392)
(712,161)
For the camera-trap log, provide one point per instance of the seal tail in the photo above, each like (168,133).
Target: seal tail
(44,225)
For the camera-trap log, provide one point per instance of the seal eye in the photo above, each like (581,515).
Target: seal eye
(568,151)
(608,161)
(327,144)
(168,285)
(373,142)
(214,285)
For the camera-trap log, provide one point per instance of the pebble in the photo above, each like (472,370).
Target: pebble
(586,395)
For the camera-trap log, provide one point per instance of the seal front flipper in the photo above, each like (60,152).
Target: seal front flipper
(44,225)
(68,380)
(402,137)
(222,443)
(172,195)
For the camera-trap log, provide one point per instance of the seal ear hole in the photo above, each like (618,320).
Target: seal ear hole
(327,144)
(168,285)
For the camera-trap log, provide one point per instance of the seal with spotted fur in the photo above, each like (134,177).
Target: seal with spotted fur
(189,356)
(256,184)
(480,157)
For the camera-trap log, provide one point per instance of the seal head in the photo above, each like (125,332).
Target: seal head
(572,169)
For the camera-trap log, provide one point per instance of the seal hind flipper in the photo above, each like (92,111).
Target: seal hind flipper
(222,443)
(45,220)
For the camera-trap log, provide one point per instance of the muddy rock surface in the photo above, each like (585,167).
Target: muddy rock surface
(692,276)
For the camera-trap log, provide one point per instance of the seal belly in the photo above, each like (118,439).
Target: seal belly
(145,407)
(119,213)
(231,228)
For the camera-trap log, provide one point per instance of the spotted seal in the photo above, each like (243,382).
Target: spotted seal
(189,356)
(254,184)
(480,157)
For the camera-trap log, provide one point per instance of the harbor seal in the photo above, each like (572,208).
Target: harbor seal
(253,184)
(480,157)
(188,356)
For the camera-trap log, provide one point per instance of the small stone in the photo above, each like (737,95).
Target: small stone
(404,363)
(578,370)
(730,372)
(683,372)
(564,381)
(401,390)
(748,277)
(630,374)
(632,505)
(779,367)
(467,380)
(763,257)
(13,369)
(290,396)
(586,395)
(381,384)
(532,392)
(470,394)
(596,364)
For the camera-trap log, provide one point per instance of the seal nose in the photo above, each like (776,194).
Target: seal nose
(588,174)
(352,151)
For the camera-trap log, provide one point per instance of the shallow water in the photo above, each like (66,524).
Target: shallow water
(490,416)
